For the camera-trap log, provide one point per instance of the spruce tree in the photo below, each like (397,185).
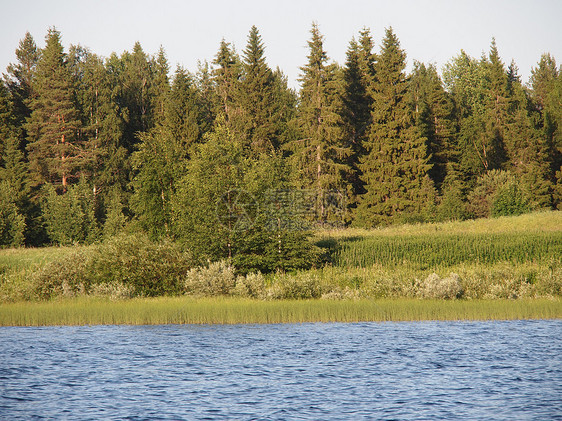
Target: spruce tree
(526,147)
(136,81)
(358,75)
(20,79)
(226,77)
(54,146)
(434,116)
(161,84)
(256,99)
(542,80)
(321,153)
(103,124)
(396,165)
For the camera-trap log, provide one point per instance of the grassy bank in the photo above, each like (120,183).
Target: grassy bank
(182,310)
(477,267)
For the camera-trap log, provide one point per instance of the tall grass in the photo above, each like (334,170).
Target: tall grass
(442,250)
(181,310)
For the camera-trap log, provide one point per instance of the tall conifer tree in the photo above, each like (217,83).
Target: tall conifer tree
(55,150)
(20,78)
(434,116)
(321,153)
(257,99)
(358,76)
(396,165)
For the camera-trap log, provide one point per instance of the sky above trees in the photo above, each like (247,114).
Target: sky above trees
(431,31)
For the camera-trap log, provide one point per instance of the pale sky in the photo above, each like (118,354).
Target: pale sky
(431,31)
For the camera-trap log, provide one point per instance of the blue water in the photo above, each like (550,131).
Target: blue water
(387,371)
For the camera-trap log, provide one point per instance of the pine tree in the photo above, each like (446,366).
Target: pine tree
(320,154)
(396,163)
(54,148)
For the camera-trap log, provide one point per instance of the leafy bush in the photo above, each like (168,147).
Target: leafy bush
(251,286)
(113,290)
(150,268)
(441,288)
(510,200)
(124,265)
(301,285)
(66,276)
(216,279)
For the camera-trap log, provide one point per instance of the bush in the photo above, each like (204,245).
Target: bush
(251,286)
(438,288)
(301,285)
(66,276)
(216,279)
(150,268)
(509,201)
(113,290)
(121,266)
(480,200)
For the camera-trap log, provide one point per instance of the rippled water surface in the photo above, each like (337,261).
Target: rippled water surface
(390,371)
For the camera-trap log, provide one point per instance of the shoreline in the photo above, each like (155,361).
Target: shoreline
(228,311)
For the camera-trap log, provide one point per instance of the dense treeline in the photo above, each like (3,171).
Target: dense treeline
(93,146)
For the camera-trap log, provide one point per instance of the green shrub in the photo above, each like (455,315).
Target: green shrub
(301,285)
(216,279)
(113,290)
(251,286)
(150,268)
(66,276)
(441,288)
(481,198)
(509,201)
(132,264)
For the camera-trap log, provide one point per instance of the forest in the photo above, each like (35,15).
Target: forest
(92,147)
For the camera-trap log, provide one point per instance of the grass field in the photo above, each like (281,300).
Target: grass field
(180,310)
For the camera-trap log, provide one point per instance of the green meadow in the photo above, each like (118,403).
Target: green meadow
(503,268)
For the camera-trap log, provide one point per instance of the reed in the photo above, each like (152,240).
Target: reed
(185,310)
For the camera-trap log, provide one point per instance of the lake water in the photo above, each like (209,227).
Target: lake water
(387,371)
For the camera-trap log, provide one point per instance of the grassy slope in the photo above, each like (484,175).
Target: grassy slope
(538,222)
